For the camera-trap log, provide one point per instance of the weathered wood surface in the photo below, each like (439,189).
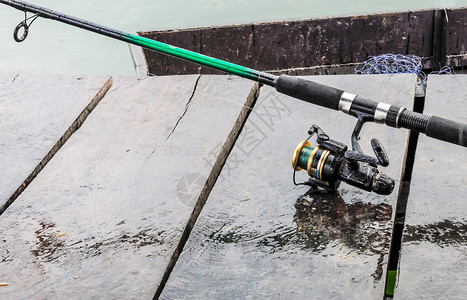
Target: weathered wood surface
(456,41)
(104,217)
(433,260)
(259,236)
(322,46)
(36,113)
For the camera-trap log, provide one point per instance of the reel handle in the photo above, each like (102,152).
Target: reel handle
(380,153)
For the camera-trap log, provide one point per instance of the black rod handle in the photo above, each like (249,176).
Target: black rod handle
(309,91)
(447,130)
(435,127)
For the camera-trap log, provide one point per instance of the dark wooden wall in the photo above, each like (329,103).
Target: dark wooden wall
(324,46)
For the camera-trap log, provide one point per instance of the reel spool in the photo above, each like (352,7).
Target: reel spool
(319,162)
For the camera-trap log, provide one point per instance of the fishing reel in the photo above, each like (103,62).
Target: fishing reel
(330,162)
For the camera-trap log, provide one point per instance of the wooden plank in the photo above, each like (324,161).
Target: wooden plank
(105,216)
(259,236)
(308,44)
(456,47)
(433,260)
(38,114)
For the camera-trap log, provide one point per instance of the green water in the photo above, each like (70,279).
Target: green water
(55,48)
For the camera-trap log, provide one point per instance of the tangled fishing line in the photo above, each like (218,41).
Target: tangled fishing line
(398,64)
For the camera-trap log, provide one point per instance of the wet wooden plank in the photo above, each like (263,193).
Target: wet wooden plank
(259,236)
(36,112)
(433,260)
(104,217)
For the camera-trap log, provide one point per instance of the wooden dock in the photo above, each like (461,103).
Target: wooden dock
(181,187)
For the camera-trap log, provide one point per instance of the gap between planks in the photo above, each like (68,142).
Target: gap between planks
(58,145)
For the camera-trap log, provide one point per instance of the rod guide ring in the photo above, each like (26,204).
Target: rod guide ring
(17,38)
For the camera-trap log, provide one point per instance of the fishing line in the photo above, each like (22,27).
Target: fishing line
(398,64)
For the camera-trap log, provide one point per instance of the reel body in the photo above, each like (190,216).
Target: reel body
(330,162)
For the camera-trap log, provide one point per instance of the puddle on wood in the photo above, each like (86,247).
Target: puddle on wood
(50,244)
(321,220)
(48,241)
(443,233)
(41,263)
(325,244)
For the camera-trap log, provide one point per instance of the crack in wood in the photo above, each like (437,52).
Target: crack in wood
(186,109)
(16,76)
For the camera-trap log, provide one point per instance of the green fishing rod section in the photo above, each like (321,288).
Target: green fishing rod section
(365,110)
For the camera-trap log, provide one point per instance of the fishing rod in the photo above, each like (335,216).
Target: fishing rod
(325,163)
